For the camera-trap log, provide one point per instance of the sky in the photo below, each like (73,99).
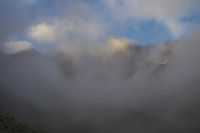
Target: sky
(85,75)
(50,24)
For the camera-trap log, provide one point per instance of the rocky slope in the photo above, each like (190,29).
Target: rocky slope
(10,125)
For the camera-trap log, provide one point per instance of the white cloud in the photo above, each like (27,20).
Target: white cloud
(64,27)
(175,27)
(69,31)
(168,12)
(43,32)
(16,46)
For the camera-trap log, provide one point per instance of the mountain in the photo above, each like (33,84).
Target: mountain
(10,125)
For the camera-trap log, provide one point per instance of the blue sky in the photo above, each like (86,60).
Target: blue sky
(73,21)
(145,31)
(148,31)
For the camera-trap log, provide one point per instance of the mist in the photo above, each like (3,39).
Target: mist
(82,67)
(115,87)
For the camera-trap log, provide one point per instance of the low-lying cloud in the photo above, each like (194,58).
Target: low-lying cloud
(60,71)
(116,87)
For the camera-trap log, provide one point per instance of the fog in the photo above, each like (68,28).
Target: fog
(116,87)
